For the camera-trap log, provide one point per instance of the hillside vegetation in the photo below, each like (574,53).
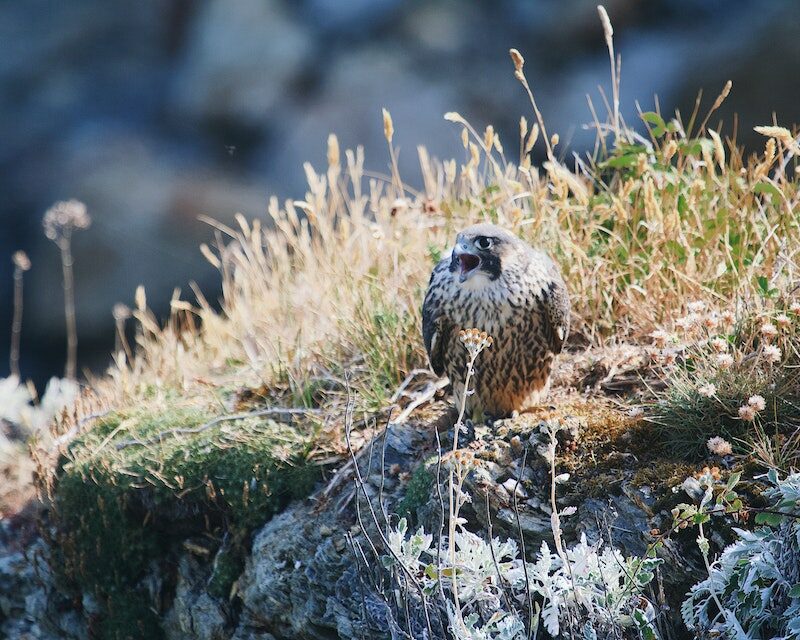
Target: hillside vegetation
(681,256)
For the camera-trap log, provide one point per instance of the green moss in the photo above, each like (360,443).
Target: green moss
(134,486)
(418,492)
(129,617)
(228,566)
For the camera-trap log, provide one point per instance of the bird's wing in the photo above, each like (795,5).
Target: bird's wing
(435,325)
(555,305)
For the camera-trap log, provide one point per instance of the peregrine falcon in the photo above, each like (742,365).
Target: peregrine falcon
(496,282)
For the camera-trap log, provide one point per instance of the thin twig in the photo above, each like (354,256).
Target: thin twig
(420,398)
(360,485)
(21,264)
(413,374)
(522,546)
(69,306)
(501,583)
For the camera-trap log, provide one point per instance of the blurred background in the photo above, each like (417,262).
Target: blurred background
(156,112)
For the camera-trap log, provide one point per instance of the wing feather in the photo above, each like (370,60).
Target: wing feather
(435,325)
(555,306)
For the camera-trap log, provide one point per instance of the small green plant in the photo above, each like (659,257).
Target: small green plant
(380,334)
(753,588)
(586,590)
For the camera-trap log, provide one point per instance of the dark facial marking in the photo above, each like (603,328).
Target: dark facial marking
(490,264)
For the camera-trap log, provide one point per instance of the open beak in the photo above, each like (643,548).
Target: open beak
(468,263)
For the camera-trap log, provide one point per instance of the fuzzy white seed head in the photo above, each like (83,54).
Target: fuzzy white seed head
(719,446)
(747,413)
(707,390)
(757,402)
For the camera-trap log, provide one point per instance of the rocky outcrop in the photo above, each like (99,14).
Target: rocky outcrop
(313,570)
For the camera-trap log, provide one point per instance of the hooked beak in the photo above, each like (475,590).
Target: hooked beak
(468,262)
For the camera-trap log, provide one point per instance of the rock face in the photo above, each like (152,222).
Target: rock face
(311,572)
(156,115)
(239,62)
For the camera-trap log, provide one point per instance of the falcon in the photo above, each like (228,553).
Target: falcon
(495,282)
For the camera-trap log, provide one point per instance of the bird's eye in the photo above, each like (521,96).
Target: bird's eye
(483,242)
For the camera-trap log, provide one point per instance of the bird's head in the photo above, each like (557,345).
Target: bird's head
(480,254)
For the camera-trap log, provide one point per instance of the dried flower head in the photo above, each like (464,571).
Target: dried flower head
(719,446)
(668,358)
(747,413)
(708,475)
(727,317)
(772,353)
(21,261)
(64,217)
(696,306)
(720,345)
(660,338)
(121,311)
(688,322)
(795,308)
(783,321)
(711,321)
(769,330)
(757,402)
(724,360)
(707,390)
(475,340)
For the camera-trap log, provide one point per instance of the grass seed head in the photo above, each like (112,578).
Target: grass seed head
(517,59)
(388,126)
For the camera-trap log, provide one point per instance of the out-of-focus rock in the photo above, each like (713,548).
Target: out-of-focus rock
(195,614)
(417,107)
(357,18)
(240,62)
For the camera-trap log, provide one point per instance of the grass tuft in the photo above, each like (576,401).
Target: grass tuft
(131,489)
(741,384)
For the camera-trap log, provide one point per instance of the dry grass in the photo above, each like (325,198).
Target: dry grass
(330,286)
